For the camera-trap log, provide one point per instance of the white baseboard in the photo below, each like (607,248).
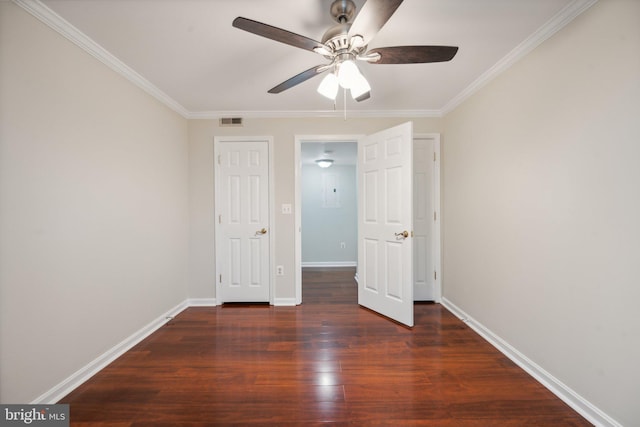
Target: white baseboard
(83,374)
(581,405)
(284,302)
(202,302)
(330,264)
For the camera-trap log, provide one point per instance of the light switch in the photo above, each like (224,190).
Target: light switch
(286,208)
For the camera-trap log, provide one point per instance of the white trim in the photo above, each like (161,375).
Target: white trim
(298,141)
(557,387)
(284,302)
(297,220)
(436,244)
(290,114)
(202,302)
(562,18)
(330,264)
(272,221)
(437,227)
(59,24)
(83,374)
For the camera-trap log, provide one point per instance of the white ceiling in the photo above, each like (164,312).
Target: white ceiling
(186,52)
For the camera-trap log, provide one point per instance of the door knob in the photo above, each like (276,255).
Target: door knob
(404,234)
(263,231)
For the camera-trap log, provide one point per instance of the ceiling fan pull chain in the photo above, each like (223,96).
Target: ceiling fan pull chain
(344,100)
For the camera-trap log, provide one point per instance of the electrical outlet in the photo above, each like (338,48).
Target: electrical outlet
(343,245)
(279,270)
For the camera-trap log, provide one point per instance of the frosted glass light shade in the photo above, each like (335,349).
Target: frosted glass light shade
(329,86)
(360,86)
(347,73)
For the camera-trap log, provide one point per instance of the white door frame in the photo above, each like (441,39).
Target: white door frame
(272,230)
(299,140)
(437,244)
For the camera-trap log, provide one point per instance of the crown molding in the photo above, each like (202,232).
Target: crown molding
(59,24)
(315,114)
(562,18)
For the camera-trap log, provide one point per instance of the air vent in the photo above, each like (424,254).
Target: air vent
(231,121)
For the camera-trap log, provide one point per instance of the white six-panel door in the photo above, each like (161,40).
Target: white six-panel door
(385,220)
(242,216)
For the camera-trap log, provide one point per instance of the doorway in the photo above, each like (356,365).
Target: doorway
(329,204)
(329,220)
(326,195)
(427,252)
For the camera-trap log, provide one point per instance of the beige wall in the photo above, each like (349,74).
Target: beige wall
(542,207)
(93,208)
(201,186)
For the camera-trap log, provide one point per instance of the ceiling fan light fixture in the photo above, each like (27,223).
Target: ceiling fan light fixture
(329,86)
(359,86)
(324,163)
(348,72)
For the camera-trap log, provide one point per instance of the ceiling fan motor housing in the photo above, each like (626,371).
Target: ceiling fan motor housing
(343,10)
(336,38)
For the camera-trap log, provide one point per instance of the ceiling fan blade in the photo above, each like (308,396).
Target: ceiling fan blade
(299,78)
(275,33)
(412,54)
(372,17)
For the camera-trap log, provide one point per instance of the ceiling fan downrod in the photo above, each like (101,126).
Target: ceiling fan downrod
(336,41)
(343,11)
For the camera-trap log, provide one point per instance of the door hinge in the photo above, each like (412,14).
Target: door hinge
(221,278)
(219,219)
(434,215)
(434,157)
(219,159)
(435,275)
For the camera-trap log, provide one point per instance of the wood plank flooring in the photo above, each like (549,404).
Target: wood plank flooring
(327,361)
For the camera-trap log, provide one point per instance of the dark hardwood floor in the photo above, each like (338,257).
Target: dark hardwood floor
(326,361)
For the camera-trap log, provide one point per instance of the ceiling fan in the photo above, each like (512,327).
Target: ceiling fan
(344,43)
